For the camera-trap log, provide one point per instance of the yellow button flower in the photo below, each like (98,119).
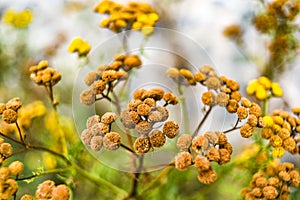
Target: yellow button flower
(80,46)
(17,19)
(276,90)
(265,82)
(278,152)
(252,87)
(268,120)
(261,93)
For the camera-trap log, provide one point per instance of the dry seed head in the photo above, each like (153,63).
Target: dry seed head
(143,127)
(207,177)
(212,137)
(289,144)
(184,141)
(222,138)
(222,99)
(270,192)
(256,192)
(183,160)
(296,110)
(155,116)
(267,133)
(252,120)
(98,87)
(99,129)
(14,104)
(9,116)
(255,110)
(108,117)
(4,173)
(278,152)
(157,138)
(126,119)
(139,94)
(164,112)
(246,102)
(285,176)
(121,75)
(275,141)
(284,133)
(61,192)
(205,69)
(274,181)
(200,144)
(199,77)
(278,120)
(16,167)
(115,65)
(132,61)
(90,78)
(92,120)
(96,143)
(236,95)
(87,97)
(112,141)
(170,98)
(109,75)
(156,93)
(142,145)
(171,129)
(150,102)
(224,156)
(261,182)
(86,136)
(242,112)
(133,104)
(44,190)
(232,106)
(213,154)
(202,163)
(208,98)
(246,130)
(213,83)
(143,109)
(232,84)
(228,147)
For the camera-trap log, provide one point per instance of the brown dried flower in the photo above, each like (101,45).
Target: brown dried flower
(171,129)
(112,141)
(183,160)
(142,145)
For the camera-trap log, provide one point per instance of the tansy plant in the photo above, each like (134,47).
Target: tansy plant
(137,127)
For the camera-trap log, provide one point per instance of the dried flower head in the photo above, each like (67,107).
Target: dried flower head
(112,141)
(16,167)
(184,141)
(61,192)
(183,160)
(87,97)
(96,143)
(9,116)
(222,99)
(91,77)
(171,129)
(142,145)
(14,104)
(200,144)
(86,136)
(44,190)
(208,98)
(92,120)
(202,163)
(246,130)
(213,83)
(108,117)
(157,138)
(143,127)
(207,177)
(143,109)
(170,98)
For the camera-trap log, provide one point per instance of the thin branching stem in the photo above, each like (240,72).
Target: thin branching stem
(235,127)
(202,122)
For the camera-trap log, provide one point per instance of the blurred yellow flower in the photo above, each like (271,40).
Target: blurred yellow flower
(80,46)
(17,19)
(263,88)
(268,120)
(278,152)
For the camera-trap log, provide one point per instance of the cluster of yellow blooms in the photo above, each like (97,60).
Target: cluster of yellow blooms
(273,183)
(80,46)
(17,19)
(137,16)
(263,88)
(282,129)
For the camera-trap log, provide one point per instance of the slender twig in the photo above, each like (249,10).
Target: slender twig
(54,171)
(235,127)
(137,174)
(129,149)
(202,122)
(184,108)
(19,131)
(159,165)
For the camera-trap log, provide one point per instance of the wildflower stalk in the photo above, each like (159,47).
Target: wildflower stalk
(136,176)
(235,127)
(185,112)
(202,122)
(19,131)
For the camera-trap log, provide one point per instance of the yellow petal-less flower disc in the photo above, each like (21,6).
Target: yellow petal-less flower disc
(261,93)
(276,90)
(265,82)
(251,88)
(278,152)
(268,120)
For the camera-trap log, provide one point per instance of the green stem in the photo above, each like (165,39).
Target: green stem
(54,171)
(265,107)
(121,194)
(185,112)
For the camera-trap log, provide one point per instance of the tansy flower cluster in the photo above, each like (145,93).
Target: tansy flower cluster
(199,151)
(136,16)
(273,183)
(17,19)
(223,92)
(44,75)
(277,11)
(144,113)
(98,133)
(282,130)
(107,77)
(8,184)
(48,190)
(5,150)
(233,32)
(263,88)
(10,109)
(79,46)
